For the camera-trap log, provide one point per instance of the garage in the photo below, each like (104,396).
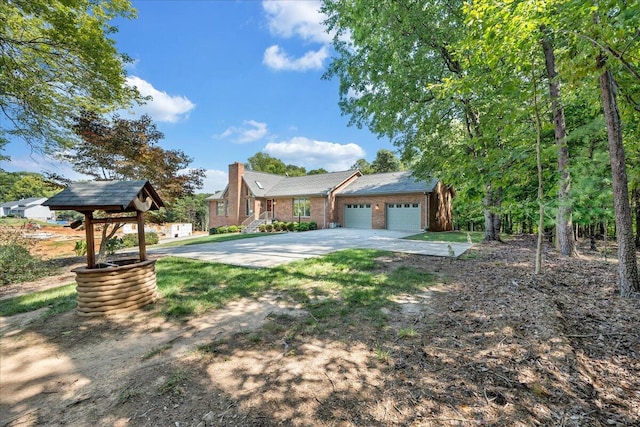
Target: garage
(357,215)
(403,216)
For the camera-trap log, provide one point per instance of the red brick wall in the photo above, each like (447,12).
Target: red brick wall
(284,211)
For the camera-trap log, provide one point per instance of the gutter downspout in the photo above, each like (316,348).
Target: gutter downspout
(324,200)
(427,198)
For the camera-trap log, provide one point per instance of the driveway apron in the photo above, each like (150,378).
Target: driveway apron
(278,249)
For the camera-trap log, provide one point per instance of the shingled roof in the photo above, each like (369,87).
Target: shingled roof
(110,196)
(310,185)
(387,183)
(260,182)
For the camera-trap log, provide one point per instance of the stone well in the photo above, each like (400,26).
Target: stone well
(115,287)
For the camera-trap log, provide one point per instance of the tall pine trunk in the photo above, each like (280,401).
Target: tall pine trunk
(564,228)
(628,280)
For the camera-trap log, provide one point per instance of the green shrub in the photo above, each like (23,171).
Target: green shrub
(223,230)
(151,238)
(262,228)
(113,245)
(131,240)
(80,248)
(313,225)
(213,230)
(18,265)
(233,229)
(303,226)
(269,228)
(291,226)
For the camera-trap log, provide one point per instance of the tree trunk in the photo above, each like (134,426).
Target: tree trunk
(538,263)
(628,280)
(492,202)
(564,232)
(636,198)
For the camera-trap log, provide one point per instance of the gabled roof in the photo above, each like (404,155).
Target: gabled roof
(310,185)
(387,183)
(218,195)
(111,196)
(30,201)
(260,183)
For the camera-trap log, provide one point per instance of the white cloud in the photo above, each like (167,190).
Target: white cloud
(163,107)
(214,180)
(277,59)
(250,132)
(314,154)
(297,18)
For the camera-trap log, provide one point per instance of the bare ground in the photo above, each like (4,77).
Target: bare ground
(490,344)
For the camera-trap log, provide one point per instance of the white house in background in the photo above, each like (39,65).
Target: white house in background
(30,208)
(168,230)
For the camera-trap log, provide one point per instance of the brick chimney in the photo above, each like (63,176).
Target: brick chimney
(236,170)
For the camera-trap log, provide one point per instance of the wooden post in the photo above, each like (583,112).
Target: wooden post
(142,245)
(91,251)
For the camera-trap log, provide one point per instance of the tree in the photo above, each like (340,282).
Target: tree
(363,166)
(261,162)
(386,161)
(628,279)
(56,58)
(564,228)
(123,149)
(191,209)
(128,149)
(318,171)
(401,76)
(600,33)
(27,185)
(293,170)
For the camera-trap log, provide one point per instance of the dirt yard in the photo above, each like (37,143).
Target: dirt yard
(490,344)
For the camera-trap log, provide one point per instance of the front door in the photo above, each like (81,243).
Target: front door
(269,208)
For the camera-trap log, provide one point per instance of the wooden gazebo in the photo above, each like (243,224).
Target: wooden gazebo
(119,285)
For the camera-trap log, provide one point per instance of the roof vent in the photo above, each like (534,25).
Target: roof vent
(259,185)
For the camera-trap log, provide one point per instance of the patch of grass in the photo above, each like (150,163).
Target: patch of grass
(60,300)
(409,332)
(382,354)
(337,289)
(127,394)
(215,238)
(329,287)
(449,236)
(173,383)
(156,351)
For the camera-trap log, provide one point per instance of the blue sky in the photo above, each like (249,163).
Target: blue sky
(230,79)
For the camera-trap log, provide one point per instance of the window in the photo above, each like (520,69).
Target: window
(302,208)
(247,207)
(220,209)
(226,207)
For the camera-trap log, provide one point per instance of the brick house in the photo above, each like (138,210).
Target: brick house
(394,201)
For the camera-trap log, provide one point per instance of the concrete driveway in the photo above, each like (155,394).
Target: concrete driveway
(277,249)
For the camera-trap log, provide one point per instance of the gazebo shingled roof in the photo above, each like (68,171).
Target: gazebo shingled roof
(110,196)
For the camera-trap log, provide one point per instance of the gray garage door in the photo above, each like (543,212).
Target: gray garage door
(403,216)
(357,216)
